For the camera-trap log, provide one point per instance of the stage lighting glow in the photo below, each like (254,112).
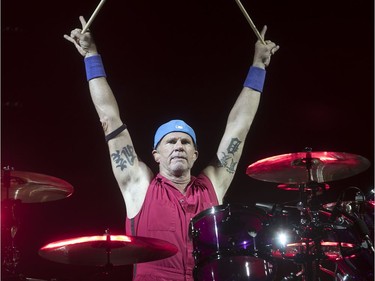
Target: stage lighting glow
(282,238)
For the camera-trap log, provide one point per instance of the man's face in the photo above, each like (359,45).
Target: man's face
(176,153)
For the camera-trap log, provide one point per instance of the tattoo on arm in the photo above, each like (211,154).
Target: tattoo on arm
(124,157)
(226,160)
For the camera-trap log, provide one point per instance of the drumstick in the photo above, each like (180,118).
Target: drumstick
(250,22)
(94,14)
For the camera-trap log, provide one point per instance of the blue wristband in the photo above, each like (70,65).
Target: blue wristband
(94,67)
(255,78)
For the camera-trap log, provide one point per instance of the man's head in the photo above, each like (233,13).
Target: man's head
(175,148)
(175,125)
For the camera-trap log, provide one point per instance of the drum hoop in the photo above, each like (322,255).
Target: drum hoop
(223,207)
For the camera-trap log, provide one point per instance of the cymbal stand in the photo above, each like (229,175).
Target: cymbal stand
(106,271)
(109,265)
(310,229)
(10,224)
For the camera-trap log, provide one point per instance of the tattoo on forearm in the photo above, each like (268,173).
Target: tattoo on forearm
(227,158)
(124,157)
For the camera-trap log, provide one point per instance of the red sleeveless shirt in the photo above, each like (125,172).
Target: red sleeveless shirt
(165,215)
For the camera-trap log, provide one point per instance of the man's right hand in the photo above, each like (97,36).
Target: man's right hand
(83,42)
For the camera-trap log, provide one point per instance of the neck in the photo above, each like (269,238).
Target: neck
(180,182)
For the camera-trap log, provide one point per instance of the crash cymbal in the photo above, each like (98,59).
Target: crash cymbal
(113,249)
(304,167)
(33,187)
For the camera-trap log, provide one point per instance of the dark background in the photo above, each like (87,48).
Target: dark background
(175,59)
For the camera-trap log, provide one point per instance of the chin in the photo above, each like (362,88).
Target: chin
(179,169)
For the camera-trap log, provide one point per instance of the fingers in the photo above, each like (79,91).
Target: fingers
(75,37)
(82,42)
(83,21)
(73,40)
(274,49)
(70,39)
(263,32)
(271,46)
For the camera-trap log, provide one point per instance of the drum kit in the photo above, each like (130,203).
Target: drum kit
(102,251)
(307,240)
(231,242)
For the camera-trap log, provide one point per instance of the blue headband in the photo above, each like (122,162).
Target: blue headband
(173,126)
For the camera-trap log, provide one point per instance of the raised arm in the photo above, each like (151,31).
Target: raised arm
(221,171)
(132,175)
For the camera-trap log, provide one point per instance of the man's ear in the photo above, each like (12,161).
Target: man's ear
(156,155)
(196,153)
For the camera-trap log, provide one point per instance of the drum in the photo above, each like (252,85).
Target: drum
(230,243)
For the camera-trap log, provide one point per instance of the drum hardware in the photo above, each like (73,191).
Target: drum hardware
(11,253)
(272,209)
(355,212)
(361,227)
(10,224)
(314,250)
(321,187)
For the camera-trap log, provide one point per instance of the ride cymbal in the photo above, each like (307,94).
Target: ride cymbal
(33,187)
(107,249)
(305,167)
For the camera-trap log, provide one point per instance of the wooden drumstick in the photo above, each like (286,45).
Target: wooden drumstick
(94,14)
(250,22)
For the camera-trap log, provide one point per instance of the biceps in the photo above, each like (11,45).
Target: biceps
(229,153)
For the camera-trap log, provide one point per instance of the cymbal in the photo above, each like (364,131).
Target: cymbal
(304,167)
(33,187)
(107,249)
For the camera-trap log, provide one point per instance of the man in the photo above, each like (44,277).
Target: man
(162,206)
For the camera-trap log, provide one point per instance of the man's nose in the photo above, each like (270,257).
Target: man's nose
(178,145)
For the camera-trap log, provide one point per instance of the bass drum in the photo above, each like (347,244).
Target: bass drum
(230,244)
